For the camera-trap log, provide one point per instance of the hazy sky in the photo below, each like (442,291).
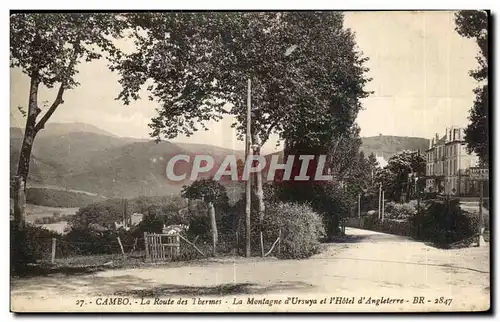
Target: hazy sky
(418,63)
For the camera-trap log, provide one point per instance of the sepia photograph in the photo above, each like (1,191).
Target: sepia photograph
(250,161)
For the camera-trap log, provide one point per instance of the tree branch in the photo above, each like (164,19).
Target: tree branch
(53,107)
(59,98)
(270,129)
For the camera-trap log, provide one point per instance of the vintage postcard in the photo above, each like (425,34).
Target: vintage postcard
(294,161)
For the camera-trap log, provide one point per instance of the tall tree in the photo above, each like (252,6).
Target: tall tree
(307,77)
(214,195)
(47,47)
(474,24)
(398,177)
(373,165)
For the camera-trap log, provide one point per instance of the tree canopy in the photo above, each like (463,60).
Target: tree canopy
(398,176)
(48,48)
(474,24)
(304,67)
(207,190)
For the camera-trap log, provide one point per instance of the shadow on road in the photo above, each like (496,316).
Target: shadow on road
(347,239)
(216,290)
(43,270)
(131,285)
(374,237)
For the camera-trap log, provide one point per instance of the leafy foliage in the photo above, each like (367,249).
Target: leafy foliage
(301,229)
(474,24)
(50,46)
(196,63)
(29,246)
(307,75)
(324,197)
(399,211)
(207,190)
(104,214)
(47,48)
(396,178)
(443,223)
(476,133)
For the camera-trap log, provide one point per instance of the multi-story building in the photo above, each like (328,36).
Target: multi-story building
(448,163)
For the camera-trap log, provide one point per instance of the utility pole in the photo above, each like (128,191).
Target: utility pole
(359,206)
(481,241)
(125,213)
(383,204)
(418,201)
(248,183)
(379,200)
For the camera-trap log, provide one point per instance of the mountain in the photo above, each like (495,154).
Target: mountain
(85,158)
(82,157)
(386,145)
(51,129)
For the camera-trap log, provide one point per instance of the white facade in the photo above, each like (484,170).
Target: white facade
(448,162)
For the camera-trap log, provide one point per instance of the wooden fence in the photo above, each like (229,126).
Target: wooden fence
(161,247)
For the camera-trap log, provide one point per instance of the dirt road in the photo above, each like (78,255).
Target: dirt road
(369,272)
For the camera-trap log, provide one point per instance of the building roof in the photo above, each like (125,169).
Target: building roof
(441,140)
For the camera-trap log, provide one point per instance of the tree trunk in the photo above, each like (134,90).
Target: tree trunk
(213,223)
(259,193)
(23,166)
(25,154)
(19,198)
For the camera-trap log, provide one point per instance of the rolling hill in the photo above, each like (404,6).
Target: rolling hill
(386,145)
(66,158)
(90,160)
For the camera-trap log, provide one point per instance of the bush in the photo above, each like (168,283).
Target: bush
(200,227)
(399,211)
(151,223)
(371,220)
(29,245)
(399,227)
(301,229)
(324,197)
(443,223)
(87,242)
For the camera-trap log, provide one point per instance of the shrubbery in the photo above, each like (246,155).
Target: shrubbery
(29,245)
(53,219)
(399,211)
(440,222)
(325,198)
(301,229)
(443,223)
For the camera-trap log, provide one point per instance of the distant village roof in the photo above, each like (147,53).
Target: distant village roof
(381,161)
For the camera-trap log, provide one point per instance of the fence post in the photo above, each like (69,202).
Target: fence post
(237,247)
(121,246)
(279,242)
(146,246)
(178,248)
(359,205)
(53,258)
